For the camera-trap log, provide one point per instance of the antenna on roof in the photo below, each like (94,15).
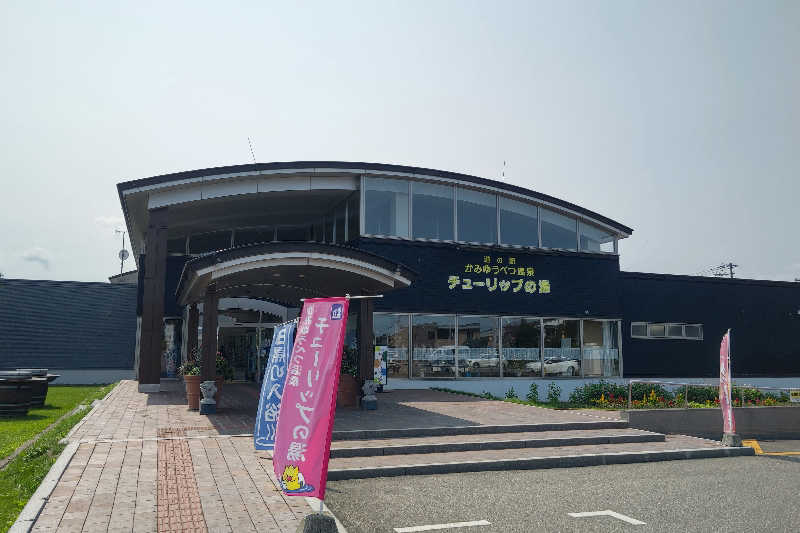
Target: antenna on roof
(252,153)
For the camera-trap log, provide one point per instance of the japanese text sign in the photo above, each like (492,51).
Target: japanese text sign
(269,403)
(728,423)
(499,275)
(308,407)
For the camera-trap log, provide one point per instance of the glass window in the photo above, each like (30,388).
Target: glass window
(594,239)
(638,329)
(209,242)
(253,235)
(352,217)
(694,331)
(558,231)
(656,330)
(318,231)
(341,223)
(432,338)
(477,351)
(386,207)
(391,339)
(477,216)
(293,233)
(675,330)
(521,347)
(328,228)
(433,211)
(600,348)
(519,223)
(562,347)
(176,246)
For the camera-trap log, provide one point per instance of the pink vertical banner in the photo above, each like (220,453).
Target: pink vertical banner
(725,403)
(308,405)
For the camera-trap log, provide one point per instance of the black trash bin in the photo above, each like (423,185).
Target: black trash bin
(15,393)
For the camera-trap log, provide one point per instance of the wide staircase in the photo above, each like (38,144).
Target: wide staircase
(368,453)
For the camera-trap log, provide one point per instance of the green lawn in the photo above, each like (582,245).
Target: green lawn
(19,480)
(60,400)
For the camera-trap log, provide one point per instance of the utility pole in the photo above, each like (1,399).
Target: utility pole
(720,270)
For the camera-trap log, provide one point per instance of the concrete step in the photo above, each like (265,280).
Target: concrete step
(674,447)
(371,434)
(492,441)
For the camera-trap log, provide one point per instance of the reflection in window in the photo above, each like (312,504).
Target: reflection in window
(253,235)
(209,242)
(558,231)
(341,223)
(600,348)
(656,330)
(391,338)
(176,246)
(521,341)
(477,216)
(519,223)
(477,352)
(386,207)
(433,211)
(433,348)
(352,217)
(562,347)
(594,239)
(294,233)
(693,331)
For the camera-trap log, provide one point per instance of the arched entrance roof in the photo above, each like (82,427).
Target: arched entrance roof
(287,272)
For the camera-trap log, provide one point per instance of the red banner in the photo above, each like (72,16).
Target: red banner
(725,403)
(308,405)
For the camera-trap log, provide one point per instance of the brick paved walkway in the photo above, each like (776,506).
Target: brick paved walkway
(145,463)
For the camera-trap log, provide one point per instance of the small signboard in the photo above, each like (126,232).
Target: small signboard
(794,395)
(381,357)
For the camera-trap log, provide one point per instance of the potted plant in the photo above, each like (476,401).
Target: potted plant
(190,370)
(347,395)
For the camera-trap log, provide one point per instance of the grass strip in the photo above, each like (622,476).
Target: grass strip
(24,473)
(61,399)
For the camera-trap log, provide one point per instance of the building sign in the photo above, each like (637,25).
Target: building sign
(269,403)
(794,395)
(498,275)
(728,423)
(308,406)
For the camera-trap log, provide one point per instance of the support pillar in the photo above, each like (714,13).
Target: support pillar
(366,340)
(152,333)
(191,327)
(208,369)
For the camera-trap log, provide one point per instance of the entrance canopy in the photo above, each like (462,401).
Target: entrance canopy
(286,272)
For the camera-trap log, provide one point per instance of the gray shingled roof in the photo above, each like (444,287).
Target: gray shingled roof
(66,324)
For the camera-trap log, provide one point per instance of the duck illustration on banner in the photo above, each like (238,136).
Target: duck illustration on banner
(292,481)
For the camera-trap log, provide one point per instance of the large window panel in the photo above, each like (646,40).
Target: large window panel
(519,223)
(341,223)
(254,235)
(477,351)
(477,216)
(352,217)
(433,211)
(391,337)
(558,231)
(521,347)
(594,239)
(432,338)
(600,348)
(562,347)
(386,207)
(209,242)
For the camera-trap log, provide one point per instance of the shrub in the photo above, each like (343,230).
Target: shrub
(511,393)
(533,393)
(590,393)
(553,393)
(488,395)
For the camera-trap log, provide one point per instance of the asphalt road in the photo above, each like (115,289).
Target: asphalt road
(733,494)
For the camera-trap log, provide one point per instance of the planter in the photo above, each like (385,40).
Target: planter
(39,385)
(347,394)
(192,391)
(15,393)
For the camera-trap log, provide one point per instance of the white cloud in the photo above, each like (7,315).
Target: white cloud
(37,255)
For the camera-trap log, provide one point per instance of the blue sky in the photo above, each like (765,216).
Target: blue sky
(679,119)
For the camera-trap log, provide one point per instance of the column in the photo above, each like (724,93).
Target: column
(191,336)
(154,279)
(208,369)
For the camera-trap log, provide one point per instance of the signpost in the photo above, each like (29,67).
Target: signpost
(729,436)
(308,405)
(269,403)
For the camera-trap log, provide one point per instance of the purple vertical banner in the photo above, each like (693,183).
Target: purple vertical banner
(269,403)
(303,442)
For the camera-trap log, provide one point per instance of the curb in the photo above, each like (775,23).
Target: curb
(369,434)
(494,445)
(95,405)
(533,463)
(31,511)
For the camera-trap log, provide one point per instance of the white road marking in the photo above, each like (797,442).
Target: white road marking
(433,527)
(622,517)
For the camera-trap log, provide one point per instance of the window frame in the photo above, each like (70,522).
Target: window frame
(666,335)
